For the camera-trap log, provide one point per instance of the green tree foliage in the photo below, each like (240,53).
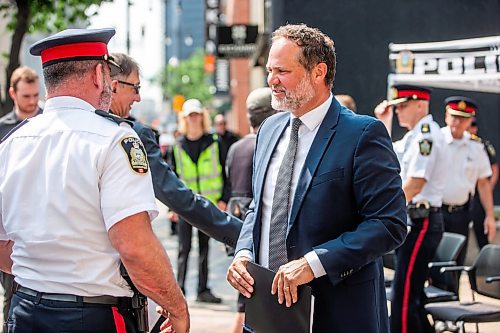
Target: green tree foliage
(187,78)
(28,16)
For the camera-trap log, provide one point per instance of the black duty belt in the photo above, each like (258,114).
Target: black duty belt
(36,296)
(455,208)
(435,209)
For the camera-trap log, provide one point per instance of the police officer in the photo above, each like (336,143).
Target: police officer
(477,211)
(469,165)
(422,156)
(90,181)
(169,189)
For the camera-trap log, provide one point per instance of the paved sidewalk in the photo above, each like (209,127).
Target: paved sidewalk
(218,318)
(205,318)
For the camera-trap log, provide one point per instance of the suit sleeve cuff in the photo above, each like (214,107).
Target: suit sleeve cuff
(315,264)
(244,253)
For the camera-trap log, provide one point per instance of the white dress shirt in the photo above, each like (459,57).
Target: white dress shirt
(307,132)
(65,180)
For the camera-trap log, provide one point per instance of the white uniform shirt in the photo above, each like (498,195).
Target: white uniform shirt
(469,162)
(415,162)
(65,180)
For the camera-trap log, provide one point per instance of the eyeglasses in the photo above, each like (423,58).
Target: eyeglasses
(137,86)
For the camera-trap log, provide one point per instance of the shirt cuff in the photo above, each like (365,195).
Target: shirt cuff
(244,253)
(315,264)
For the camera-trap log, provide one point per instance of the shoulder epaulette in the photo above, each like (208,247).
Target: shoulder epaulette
(425,128)
(114,118)
(474,137)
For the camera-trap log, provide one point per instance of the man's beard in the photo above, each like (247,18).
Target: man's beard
(105,97)
(295,98)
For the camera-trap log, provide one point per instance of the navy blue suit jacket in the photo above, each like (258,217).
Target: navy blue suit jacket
(349,208)
(170,190)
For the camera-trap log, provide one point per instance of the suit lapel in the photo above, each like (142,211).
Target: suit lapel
(325,134)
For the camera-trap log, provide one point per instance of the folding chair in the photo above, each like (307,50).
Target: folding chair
(484,278)
(444,287)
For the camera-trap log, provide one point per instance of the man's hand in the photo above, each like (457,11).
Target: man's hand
(383,111)
(173,217)
(172,324)
(222,205)
(289,277)
(490,228)
(239,278)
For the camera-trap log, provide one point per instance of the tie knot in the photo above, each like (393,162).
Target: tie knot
(296,122)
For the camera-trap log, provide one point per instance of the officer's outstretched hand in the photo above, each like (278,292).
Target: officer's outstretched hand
(173,324)
(289,277)
(239,278)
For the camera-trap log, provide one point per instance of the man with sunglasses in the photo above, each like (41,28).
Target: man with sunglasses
(125,86)
(169,189)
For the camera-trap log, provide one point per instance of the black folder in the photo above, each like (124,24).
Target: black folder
(263,313)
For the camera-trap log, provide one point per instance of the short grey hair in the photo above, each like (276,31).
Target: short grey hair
(58,74)
(127,64)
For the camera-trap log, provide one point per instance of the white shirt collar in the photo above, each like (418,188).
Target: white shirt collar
(66,102)
(427,119)
(313,118)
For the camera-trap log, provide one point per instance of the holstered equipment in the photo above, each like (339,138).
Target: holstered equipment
(139,303)
(419,209)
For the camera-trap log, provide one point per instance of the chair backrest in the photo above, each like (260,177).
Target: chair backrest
(449,247)
(448,250)
(486,264)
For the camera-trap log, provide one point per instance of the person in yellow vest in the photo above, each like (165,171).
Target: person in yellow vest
(199,162)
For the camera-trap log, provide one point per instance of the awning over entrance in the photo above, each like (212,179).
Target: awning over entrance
(467,64)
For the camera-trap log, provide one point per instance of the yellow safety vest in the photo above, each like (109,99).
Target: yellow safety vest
(204,177)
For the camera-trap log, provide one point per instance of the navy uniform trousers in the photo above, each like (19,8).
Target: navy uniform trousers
(412,259)
(31,315)
(457,221)
(185,231)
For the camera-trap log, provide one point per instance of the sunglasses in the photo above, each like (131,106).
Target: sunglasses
(136,86)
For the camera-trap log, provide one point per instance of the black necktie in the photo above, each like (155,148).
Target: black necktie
(279,212)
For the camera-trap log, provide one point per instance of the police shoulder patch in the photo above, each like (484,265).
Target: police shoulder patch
(425,128)
(136,154)
(425,147)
